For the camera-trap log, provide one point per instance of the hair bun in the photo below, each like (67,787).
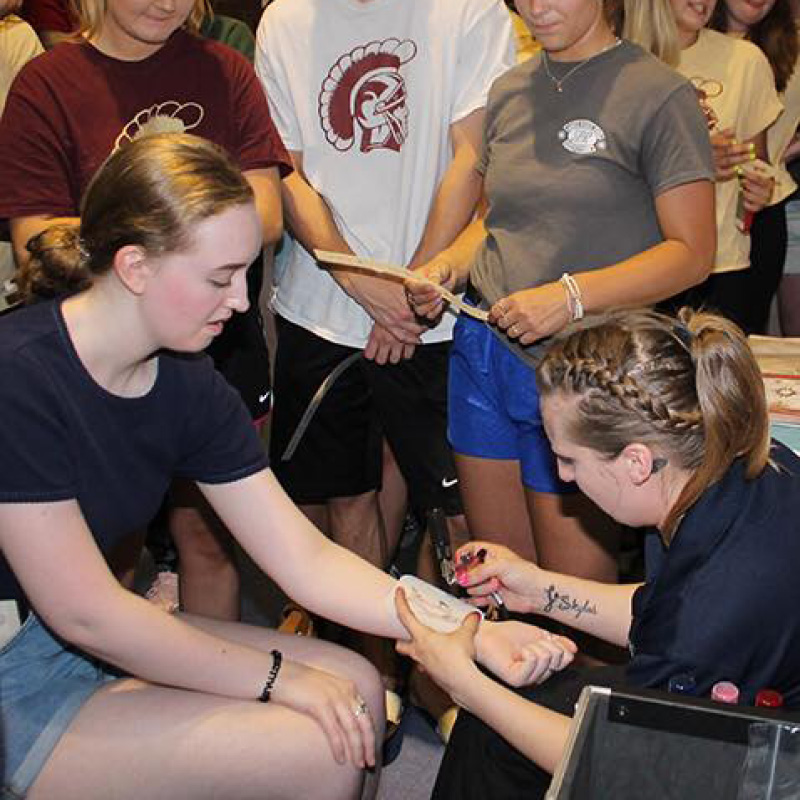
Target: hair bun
(56,265)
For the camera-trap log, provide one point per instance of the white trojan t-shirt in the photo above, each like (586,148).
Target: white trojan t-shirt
(735,81)
(367,92)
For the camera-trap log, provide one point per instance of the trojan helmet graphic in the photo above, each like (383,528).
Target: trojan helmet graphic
(365,94)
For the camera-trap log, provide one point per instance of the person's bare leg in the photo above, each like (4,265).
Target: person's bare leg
(124,559)
(573,536)
(789,305)
(495,503)
(392,500)
(338,660)
(317,513)
(134,740)
(356,523)
(209,577)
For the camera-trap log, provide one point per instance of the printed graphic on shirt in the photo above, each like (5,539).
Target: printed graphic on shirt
(583,137)
(707,89)
(363,97)
(169,117)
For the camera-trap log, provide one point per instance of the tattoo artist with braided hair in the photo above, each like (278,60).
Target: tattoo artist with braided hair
(663,424)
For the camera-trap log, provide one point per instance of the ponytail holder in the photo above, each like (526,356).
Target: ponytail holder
(83,250)
(684,336)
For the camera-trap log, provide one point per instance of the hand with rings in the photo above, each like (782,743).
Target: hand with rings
(335,703)
(361,708)
(532,314)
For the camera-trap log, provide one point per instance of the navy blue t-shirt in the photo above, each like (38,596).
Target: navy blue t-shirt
(723,600)
(63,436)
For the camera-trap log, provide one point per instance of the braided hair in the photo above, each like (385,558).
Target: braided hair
(689,388)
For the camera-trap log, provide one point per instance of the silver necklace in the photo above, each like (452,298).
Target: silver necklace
(559,82)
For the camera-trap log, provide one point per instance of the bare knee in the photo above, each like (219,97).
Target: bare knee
(200,536)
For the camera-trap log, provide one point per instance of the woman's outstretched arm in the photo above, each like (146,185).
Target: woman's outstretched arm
(65,577)
(314,571)
(332,581)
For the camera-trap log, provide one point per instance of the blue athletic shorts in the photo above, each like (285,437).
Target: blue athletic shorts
(43,685)
(493,407)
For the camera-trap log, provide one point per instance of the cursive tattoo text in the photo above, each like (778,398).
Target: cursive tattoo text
(556,601)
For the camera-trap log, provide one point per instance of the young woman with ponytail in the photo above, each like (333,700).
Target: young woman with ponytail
(663,424)
(106,397)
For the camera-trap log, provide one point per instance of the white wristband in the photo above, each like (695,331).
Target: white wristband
(574,298)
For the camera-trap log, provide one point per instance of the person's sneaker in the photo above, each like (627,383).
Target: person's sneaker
(444,727)
(296,620)
(164,591)
(392,738)
(394,708)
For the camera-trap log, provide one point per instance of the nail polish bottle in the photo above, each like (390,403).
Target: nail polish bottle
(682,683)
(769,698)
(725,692)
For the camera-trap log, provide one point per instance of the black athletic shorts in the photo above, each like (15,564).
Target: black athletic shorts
(479,763)
(340,454)
(240,352)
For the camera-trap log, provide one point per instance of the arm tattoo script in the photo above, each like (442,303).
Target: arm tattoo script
(555,601)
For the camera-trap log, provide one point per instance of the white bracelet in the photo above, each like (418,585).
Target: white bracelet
(574,298)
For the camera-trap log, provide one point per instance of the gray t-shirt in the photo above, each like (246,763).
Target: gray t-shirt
(571,177)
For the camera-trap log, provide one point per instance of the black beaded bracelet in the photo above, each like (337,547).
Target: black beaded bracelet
(277,659)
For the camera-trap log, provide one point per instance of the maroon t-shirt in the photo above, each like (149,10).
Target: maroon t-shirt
(49,15)
(71,107)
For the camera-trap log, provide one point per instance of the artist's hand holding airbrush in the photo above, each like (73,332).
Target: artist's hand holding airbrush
(488,570)
(601,609)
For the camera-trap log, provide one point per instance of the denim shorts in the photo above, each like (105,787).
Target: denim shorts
(793,229)
(493,407)
(43,684)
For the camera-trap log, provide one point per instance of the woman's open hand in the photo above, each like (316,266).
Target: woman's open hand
(335,704)
(521,654)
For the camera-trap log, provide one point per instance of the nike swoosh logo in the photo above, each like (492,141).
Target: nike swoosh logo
(448,483)
(262,398)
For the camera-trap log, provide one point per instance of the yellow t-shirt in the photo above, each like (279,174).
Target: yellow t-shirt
(736,84)
(780,135)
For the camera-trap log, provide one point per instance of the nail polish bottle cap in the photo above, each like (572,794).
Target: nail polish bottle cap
(682,683)
(769,698)
(725,692)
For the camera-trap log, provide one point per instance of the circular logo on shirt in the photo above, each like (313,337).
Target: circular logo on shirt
(582,136)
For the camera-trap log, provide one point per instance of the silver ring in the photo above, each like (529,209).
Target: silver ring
(361,708)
